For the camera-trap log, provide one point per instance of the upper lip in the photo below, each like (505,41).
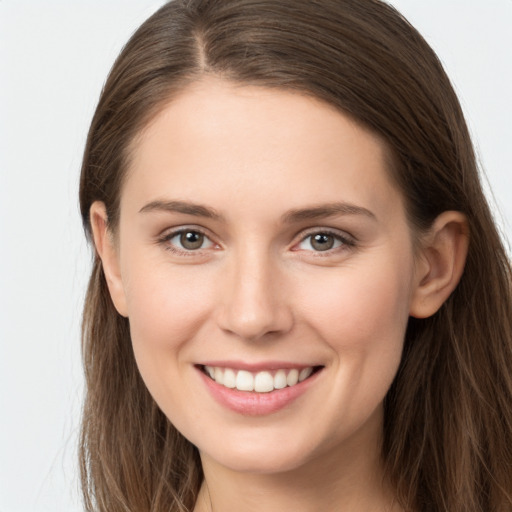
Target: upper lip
(259,366)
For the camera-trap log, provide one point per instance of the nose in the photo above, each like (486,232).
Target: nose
(254,302)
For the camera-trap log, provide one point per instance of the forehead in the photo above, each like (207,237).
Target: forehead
(257,143)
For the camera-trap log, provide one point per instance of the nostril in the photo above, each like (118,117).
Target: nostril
(253,322)
(251,305)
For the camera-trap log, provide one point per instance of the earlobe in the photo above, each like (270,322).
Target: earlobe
(107,252)
(440,264)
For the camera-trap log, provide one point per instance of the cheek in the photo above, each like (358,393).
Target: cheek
(165,303)
(166,307)
(362,302)
(362,314)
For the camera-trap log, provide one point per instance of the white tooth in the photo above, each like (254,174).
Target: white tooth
(280,379)
(263,382)
(305,373)
(293,377)
(229,378)
(219,375)
(211,371)
(244,381)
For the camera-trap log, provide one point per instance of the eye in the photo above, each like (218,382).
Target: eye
(188,240)
(323,241)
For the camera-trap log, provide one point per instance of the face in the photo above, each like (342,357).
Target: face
(267,269)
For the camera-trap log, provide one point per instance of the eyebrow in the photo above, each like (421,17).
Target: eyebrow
(290,217)
(182,207)
(325,210)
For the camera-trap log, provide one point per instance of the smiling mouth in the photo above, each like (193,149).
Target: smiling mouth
(259,382)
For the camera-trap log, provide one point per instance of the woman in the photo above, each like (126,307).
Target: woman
(299,297)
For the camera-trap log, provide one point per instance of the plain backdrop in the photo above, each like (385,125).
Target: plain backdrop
(54,58)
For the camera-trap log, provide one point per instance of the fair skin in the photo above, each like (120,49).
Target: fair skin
(259,231)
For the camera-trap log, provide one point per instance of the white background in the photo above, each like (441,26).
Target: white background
(54,57)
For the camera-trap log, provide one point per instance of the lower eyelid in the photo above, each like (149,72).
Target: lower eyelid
(166,238)
(344,241)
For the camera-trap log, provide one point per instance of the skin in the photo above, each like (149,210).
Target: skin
(257,289)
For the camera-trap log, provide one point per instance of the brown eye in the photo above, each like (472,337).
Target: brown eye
(322,242)
(191,240)
(187,240)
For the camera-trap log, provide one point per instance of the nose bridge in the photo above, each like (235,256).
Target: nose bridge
(253,304)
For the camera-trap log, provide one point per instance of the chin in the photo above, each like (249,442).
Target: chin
(256,462)
(261,456)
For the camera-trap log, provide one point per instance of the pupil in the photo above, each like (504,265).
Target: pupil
(322,242)
(191,240)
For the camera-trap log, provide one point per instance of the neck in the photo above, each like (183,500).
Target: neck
(347,478)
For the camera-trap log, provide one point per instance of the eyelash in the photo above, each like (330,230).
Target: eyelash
(167,237)
(347,242)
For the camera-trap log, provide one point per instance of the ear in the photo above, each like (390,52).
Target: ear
(440,263)
(107,251)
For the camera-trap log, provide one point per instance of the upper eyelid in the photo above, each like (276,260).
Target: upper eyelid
(348,241)
(170,233)
(302,235)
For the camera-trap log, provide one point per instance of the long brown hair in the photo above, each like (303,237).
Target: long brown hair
(448,415)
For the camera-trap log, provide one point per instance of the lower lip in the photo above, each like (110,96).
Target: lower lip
(250,403)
